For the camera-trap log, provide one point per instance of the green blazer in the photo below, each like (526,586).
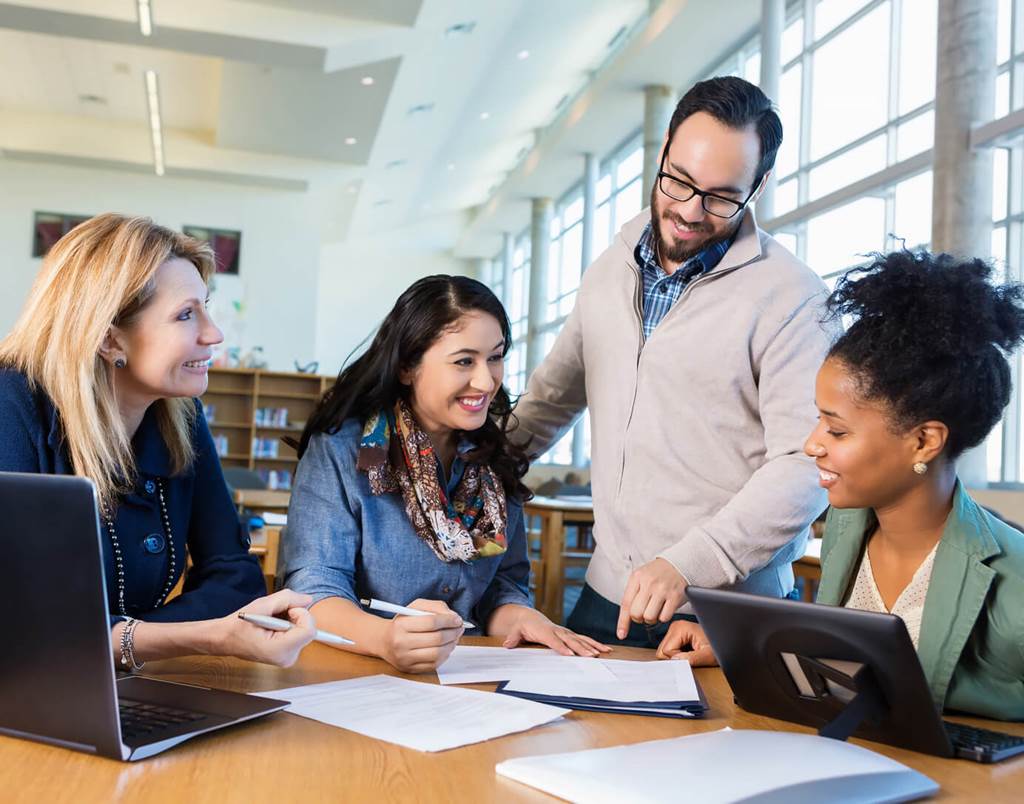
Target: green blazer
(971,643)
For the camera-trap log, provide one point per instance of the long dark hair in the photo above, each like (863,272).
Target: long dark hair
(371,383)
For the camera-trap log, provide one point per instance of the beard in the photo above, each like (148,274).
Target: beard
(680,252)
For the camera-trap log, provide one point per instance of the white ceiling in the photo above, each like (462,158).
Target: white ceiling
(267,91)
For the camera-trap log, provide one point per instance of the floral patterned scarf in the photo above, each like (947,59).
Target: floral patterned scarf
(397,455)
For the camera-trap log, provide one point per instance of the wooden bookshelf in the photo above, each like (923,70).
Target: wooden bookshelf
(235,398)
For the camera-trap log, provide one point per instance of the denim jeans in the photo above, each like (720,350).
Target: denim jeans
(597,618)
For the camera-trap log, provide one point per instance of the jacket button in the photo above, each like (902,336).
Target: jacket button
(446,589)
(154,543)
(150,487)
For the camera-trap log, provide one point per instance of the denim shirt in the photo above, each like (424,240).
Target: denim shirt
(223,576)
(343,541)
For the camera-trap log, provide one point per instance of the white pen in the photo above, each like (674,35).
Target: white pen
(277,624)
(391,608)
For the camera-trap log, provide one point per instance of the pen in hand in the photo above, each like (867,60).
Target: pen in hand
(392,608)
(277,624)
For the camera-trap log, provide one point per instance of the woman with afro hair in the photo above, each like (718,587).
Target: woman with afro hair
(920,376)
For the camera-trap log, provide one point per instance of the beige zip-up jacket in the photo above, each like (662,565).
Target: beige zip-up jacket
(696,435)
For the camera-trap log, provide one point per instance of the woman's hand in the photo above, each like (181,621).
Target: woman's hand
(532,626)
(421,644)
(233,636)
(687,640)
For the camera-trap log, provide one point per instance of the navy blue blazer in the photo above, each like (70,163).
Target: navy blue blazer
(223,577)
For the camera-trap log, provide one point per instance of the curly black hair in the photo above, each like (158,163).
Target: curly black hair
(930,338)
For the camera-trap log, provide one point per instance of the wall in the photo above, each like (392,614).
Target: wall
(359,283)
(280,255)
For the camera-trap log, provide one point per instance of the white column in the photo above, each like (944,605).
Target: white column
(540,248)
(507,250)
(659,104)
(591,169)
(962,176)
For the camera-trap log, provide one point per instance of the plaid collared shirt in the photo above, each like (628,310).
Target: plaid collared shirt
(662,290)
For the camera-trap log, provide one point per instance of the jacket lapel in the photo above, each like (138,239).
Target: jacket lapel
(841,552)
(956,592)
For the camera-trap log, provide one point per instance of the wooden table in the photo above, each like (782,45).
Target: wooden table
(555,515)
(284,758)
(259,500)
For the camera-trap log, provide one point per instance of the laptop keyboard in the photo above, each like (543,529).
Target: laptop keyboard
(144,719)
(982,745)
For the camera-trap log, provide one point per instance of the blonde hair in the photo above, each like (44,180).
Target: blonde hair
(101,273)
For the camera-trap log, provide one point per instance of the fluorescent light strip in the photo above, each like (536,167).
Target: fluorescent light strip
(155,129)
(145,18)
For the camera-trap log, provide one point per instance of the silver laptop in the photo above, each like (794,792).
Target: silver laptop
(57,679)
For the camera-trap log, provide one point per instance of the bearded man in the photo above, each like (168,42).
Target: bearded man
(694,342)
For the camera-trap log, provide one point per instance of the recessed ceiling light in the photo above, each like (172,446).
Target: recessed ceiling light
(366,81)
(451,166)
(350,140)
(523,54)
(484,115)
(352,188)
(145,18)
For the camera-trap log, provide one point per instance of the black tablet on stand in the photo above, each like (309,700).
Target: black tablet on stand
(843,671)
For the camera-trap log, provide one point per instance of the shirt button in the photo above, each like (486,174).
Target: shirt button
(154,543)
(150,487)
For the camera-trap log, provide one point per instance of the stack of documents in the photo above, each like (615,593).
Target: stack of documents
(777,766)
(412,713)
(658,688)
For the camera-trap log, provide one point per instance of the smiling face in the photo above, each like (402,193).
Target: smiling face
(458,376)
(861,461)
(713,158)
(168,345)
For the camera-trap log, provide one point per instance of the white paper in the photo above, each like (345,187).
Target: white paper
(470,664)
(807,767)
(415,714)
(654,681)
(272,518)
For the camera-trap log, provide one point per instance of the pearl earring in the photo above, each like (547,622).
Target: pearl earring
(920,467)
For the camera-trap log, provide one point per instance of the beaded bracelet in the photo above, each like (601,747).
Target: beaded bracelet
(128,647)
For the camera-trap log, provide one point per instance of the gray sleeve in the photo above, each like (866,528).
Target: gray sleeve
(324,536)
(781,498)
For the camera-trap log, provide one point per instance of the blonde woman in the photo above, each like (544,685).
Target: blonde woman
(98,378)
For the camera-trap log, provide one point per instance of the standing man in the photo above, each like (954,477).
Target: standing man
(694,342)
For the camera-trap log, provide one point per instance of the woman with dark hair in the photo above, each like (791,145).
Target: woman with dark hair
(920,377)
(409,491)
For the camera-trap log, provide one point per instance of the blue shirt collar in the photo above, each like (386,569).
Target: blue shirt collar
(699,264)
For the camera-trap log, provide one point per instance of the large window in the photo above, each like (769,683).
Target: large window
(517,303)
(843,126)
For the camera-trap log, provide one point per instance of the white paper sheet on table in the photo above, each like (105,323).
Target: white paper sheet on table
(781,766)
(415,714)
(663,680)
(471,664)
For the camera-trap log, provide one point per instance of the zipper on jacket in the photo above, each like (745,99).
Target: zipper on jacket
(638,291)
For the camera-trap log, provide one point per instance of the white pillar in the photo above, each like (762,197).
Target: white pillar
(591,168)
(962,176)
(507,250)
(540,248)
(658,107)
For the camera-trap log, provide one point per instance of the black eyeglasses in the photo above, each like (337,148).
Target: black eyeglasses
(716,205)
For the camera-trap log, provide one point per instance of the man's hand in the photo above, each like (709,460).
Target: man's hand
(653,593)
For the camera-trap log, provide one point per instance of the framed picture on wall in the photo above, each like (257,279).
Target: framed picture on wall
(49,227)
(227,245)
